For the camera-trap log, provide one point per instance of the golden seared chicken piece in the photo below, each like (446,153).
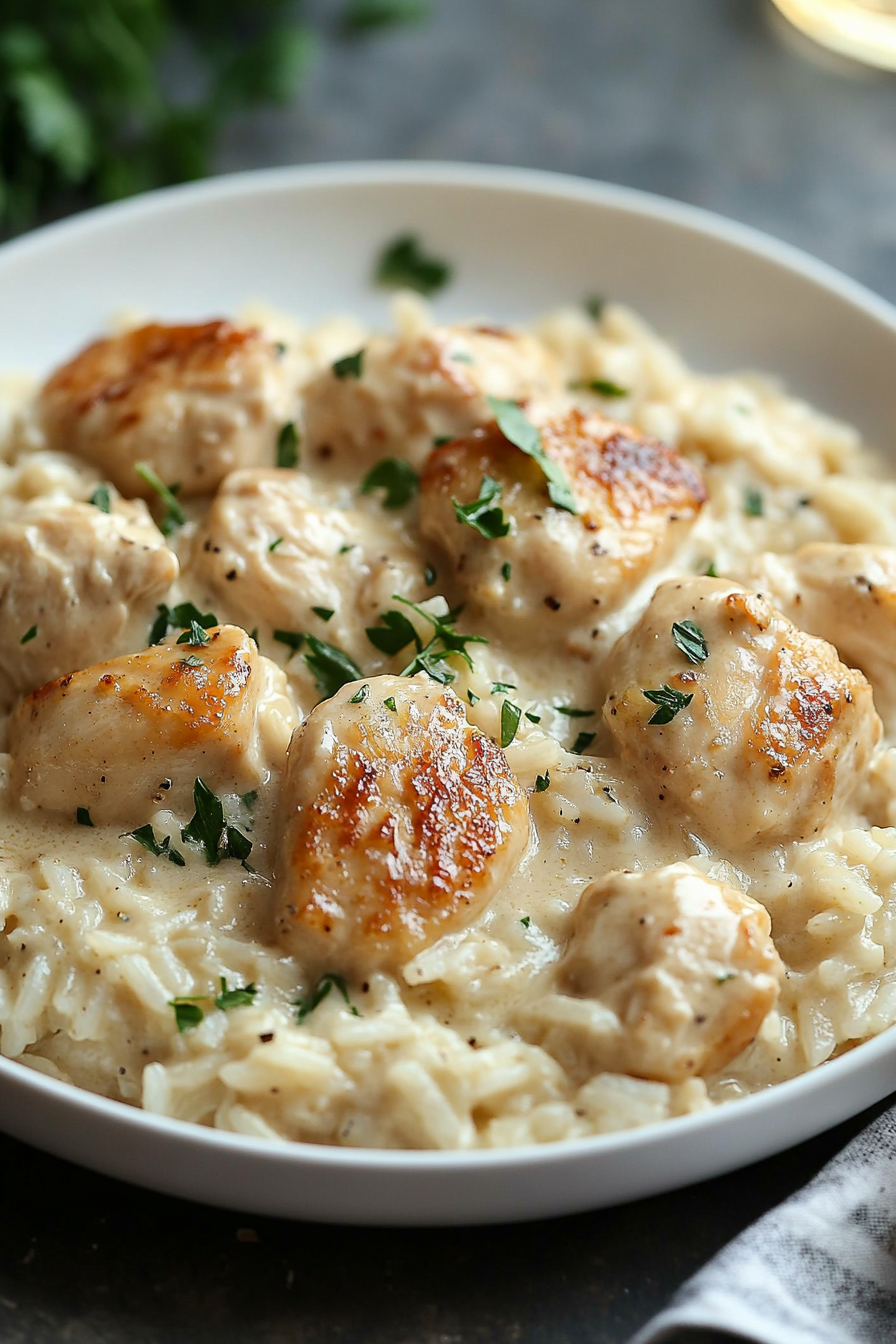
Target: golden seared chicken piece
(766,736)
(269,552)
(194,402)
(128,736)
(686,967)
(845,594)
(635,500)
(400,822)
(76,584)
(414,389)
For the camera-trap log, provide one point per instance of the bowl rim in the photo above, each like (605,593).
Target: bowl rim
(490,178)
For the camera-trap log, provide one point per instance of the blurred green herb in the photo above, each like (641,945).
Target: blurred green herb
(103,98)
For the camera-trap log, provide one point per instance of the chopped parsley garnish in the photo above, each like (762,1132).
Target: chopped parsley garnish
(572,713)
(594,306)
(180,617)
(533,718)
(389,702)
(441,439)
(510,722)
(543,782)
(397,477)
(360,695)
(710,572)
(191,660)
(28,635)
(187,1013)
(207,828)
(82,816)
(754,504)
(330,667)
(350,366)
(526,921)
(472,697)
(320,992)
(505,571)
(602,386)
(582,742)
(196,635)
(249,799)
(234,998)
(344,550)
(395,634)
(145,836)
(669,702)
(288,446)
(402,264)
(690,639)
(291,638)
(445,642)
(519,430)
(274,544)
(429,576)
(101,499)
(174,515)
(501,687)
(725,977)
(482,514)
(325,613)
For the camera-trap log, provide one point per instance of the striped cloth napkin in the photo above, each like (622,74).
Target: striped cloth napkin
(819,1269)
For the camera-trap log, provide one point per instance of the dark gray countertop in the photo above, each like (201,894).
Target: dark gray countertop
(705,100)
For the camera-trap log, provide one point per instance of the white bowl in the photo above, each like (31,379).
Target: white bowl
(521,242)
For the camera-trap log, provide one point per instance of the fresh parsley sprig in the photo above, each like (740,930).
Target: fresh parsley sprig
(145,836)
(690,639)
(208,829)
(668,701)
(445,641)
(395,633)
(519,430)
(330,667)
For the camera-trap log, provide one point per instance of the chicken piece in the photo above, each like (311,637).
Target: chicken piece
(194,402)
(343,561)
(400,822)
(126,736)
(414,389)
(685,966)
(846,595)
(635,498)
(776,733)
(76,584)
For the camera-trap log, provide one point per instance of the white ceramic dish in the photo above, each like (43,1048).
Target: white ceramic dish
(521,242)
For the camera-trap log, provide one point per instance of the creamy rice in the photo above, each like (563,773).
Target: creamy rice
(100,935)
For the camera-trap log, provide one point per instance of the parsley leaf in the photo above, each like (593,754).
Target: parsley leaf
(669,702)
(196,635)
(403,265)
(519,430)
(526,921)
(690,639)
(572,713)
(82,816)
(330,667)
(505,571)
(288,446)
(445,642)
(582,742)
(187,1013)
(473,697)
(325,613)
(145,836)
(543,782)
(482,513)
(234,998)
(394,634)
(319,993)
(510,722)
(350,366)
(101,499)
(602,386)
(174,515)
(207,828)
(185,614)
(278,541)
(360,695)
(28,635)
(754,504)
(397,477)
(710,572)
(533,718)
(499,687)
(389,702)
(291,638)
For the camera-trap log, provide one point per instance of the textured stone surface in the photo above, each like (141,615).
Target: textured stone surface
(699,99)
